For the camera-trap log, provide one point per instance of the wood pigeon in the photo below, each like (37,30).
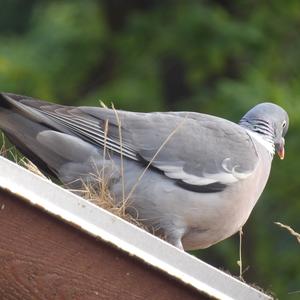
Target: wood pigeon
(193,177)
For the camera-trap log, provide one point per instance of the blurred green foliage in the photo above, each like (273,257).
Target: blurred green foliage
(219,57)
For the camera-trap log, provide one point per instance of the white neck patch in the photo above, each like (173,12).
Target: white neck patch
(265,142)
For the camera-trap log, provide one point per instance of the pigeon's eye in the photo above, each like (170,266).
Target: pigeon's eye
(283,124)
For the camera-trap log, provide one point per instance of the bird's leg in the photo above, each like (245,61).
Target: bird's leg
(178,244)
(175,237)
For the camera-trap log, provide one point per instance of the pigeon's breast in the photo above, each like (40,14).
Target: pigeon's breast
(221,215)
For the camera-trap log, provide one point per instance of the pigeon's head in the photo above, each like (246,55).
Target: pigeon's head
(269,120)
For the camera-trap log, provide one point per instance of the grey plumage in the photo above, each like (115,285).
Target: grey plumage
(206,173)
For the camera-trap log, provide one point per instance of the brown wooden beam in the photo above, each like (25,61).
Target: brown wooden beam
(42,257)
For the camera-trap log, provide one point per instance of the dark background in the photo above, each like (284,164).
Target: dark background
(219,57)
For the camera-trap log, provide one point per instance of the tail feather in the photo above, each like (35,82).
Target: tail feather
(23,125)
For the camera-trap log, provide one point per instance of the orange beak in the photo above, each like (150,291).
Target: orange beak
(281,153)
(280,150)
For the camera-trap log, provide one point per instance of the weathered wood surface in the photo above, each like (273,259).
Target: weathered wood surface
(43,258)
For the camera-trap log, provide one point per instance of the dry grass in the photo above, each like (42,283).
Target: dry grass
(290,230)
(30,166)
(240,261)
(7,150)
(98,193)
(3,146)
(11,151)
(124,201)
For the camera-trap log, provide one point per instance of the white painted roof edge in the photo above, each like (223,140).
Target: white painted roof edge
(131,239)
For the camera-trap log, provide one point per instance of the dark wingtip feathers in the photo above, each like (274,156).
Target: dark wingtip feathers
(4,101)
